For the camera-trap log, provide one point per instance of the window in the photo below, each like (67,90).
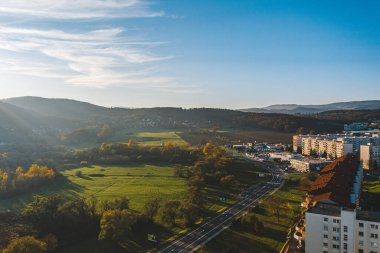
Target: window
(335,221)
(374,236)
(361,225)
(335,238)
(325,251)
(373,226)
(374,245)
(326,236)
(325,228)
(336,229)
(345,246)
(373,251)
(361,233)
(325,244)
(335,246)
(326,219)
(345,237)
(360,251)
(361,243)
(345,229)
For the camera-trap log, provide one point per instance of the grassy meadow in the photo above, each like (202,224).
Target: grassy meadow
(138,182)
(152,138)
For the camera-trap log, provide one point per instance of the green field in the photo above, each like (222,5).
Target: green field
(138,182)
(274,234)
(154,138)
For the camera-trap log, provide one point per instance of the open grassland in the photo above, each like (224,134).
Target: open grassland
(153,138)
(274,234)
(138,182)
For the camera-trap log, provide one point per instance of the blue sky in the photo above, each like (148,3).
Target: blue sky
(191,53)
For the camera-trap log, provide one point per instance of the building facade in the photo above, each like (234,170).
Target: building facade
(308,164)
(370,156)
(330,228)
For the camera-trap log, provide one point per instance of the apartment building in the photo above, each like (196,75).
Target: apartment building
(307,164)
(358,141)
(334,229)
(332,146)
(370,156)
(334,221)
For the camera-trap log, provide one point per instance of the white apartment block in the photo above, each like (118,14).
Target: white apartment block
(332,229)
(333,146)
(308,164)
(370,156)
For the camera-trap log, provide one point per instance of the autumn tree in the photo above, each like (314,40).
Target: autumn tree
(114,224)
(26,244)
(43,211)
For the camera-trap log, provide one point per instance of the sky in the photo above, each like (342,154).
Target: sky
(191,53)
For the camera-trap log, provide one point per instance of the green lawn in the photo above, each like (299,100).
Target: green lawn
(274,234)
(138,182)
(154,138)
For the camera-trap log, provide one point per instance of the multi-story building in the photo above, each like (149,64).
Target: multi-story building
(370,156)
(330,229)
(358,141)
(297,141)
(356,126)
(334,221)
(332,146)
(308,164)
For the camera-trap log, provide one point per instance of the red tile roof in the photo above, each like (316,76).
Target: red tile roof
(335,181)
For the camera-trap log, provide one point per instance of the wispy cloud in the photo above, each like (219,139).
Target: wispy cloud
(77,9)
(98,58)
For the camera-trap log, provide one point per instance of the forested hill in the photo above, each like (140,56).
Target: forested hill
(41,117)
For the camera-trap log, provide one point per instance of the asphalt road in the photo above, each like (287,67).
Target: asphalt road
(250,198)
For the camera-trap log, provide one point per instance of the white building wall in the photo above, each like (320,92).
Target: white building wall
(348,218)
(322,233)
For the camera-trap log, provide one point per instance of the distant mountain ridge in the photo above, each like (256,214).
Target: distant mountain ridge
(311,109)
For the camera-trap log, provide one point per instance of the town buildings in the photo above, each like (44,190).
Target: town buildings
(334,219)
(356,126)
(331,146)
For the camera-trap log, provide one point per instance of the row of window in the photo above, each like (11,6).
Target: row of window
(337,221)
(373,236)
(373,226)
(335,246)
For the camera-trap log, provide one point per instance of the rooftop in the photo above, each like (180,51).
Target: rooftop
(335,181)
(311,160)
(368,216)
(325,209)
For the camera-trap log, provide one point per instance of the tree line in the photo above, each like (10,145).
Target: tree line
(20,181)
